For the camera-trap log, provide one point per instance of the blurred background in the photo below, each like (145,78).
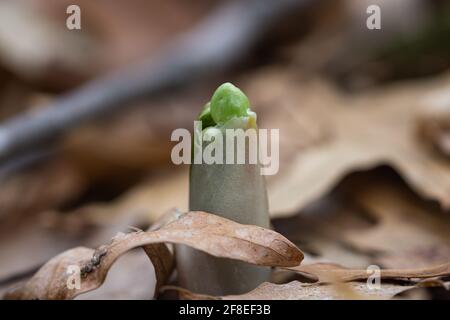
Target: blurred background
(364,119)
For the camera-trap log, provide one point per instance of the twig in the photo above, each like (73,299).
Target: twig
(216,43)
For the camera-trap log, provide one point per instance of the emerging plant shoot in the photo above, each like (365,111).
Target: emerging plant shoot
(231,190)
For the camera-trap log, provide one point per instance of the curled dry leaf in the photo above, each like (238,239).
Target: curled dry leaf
(296,290)
(329,272)
(52,280)
(132,277)
(206,232)
(163,262)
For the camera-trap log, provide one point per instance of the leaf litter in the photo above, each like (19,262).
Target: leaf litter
(335,197)
(225,239)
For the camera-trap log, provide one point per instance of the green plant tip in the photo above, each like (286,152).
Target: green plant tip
(228,102)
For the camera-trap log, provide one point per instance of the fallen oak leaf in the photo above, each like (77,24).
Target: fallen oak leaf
(159,254)
(185,294)
(329,272)
(163,262)
(131,277)
(88,260)
(409,231)
(200,230)
(435,282)
(320,228)
(359,132)
(22,195)
(434,121)
(229,239)
(296,290)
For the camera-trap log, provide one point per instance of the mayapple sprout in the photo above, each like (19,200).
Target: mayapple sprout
(233,191)
(228,102)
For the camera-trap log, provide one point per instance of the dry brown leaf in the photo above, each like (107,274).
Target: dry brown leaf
(295,290)
(356,132)
(409,231)
(371,218)
(42,235)
(22,194)
(26,241)
(185,294)
(435,282)
(130,278)
(206,232)
(40,50)
(163,262)
(320,228)
(434,122)
(328,272)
